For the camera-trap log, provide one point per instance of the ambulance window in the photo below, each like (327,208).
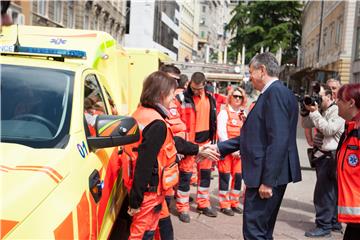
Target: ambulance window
(94,103)
(35,106)
(111,102)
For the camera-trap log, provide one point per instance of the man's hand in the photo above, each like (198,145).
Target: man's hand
(312,108)
(207,152)
(265,191)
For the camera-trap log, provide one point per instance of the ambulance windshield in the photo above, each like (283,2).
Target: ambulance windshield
(35,105)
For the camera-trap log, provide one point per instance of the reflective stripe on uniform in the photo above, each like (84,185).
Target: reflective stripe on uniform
(183,193)
(223,192)
(203,189)
(234,198)
(237,192)
(171,178)
(349,210)
(182,200)
(205,196)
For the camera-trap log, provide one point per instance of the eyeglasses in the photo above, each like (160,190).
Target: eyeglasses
(238,96)
(196,89)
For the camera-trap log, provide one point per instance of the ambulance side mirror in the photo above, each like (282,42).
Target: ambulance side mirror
(112,131)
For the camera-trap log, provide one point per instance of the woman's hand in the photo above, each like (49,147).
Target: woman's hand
(207,152)
(133,211)
(236,154)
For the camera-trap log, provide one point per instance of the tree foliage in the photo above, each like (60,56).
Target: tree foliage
(267,24)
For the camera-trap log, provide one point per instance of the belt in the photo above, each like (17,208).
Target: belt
(327,152)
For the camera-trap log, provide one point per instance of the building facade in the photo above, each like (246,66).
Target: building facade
(356,47)
(108,16)
(20,12)
(213,17)
(153,24)
(189,29)
(327,38)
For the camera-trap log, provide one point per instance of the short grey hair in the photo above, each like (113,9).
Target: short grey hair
(334,80)
(269,61)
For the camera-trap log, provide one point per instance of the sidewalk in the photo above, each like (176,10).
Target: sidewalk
(296,214)
(295,217)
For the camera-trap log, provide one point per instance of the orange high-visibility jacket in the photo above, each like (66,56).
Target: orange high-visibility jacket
(186,108)
(177,126)
(234,122)
(348,167)
(166,157)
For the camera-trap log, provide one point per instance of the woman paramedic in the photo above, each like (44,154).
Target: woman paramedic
(155,169)
(230,121)
(348,163)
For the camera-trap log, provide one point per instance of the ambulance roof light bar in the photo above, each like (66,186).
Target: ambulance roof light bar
(63,53)
(51,51)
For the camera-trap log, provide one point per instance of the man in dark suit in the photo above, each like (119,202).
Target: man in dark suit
(267,144)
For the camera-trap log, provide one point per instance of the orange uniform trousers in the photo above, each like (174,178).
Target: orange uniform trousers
(144,222)
(183,191)
(229,181)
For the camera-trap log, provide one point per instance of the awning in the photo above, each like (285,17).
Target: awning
(301,73)
(224,77)
(309,71)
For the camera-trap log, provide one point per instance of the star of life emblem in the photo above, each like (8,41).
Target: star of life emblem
(234,121)
(353,160)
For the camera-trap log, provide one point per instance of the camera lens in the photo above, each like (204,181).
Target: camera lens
(308,101)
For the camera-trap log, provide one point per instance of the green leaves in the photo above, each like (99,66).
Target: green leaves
(267,24)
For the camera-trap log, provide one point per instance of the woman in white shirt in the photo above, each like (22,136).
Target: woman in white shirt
(229,123)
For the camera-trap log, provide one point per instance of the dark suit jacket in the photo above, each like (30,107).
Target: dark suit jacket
(267,141)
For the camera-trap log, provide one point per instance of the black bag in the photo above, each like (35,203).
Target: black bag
(311,157)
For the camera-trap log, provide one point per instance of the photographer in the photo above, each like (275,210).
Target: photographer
(323,115)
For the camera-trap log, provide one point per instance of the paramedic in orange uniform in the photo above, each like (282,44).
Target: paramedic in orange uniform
(177,126)
(348,162)
(197,109)
(154,169)
(229,123)
(155,151)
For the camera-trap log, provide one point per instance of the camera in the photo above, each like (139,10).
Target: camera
(310,100)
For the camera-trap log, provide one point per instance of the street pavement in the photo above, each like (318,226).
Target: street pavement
(296,214)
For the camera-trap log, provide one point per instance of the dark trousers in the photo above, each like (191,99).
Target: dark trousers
(352,231)
(260,214)
(325,194)
(166,229)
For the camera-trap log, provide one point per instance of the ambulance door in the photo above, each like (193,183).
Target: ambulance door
(101,178)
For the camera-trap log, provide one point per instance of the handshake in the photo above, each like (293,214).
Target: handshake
(208,151)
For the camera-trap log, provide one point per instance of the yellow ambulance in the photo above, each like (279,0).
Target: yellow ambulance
(60,174)
(142,62)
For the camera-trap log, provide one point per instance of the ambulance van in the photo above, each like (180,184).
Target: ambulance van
(60,175)
(142,63)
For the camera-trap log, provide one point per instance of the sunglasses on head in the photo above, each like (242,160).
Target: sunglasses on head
(238,96)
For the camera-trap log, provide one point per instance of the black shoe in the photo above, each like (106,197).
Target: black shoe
(227,211)
(191,199)
(318,232)
(237,210)
(207,211)
(337,228)
(184,217)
